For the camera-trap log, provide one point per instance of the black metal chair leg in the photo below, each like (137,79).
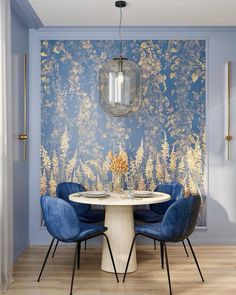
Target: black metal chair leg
(167,267)
(162,255)
(73,270)
(130,252)
(185,248)
(155,245)
(55,248)
(195,258)
(112,259)
(78,254)
(85,245)
(45,260)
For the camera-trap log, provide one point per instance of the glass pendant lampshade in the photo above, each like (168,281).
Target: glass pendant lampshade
(120,83)
(120,87)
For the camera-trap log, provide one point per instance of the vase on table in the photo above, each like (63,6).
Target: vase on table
(117,182)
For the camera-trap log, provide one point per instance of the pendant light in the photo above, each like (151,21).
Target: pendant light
(120,82)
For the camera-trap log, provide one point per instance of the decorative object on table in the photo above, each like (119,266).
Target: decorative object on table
(59,212)
(156,138)
(106,185)
(119,166)
(178,224)
(120,82)
(228,137)
(129,185)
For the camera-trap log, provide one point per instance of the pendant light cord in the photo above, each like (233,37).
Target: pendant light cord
(121,41)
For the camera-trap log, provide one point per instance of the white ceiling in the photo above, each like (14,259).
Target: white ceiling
(137,12)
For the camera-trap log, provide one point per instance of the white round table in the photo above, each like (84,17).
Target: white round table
(120,222)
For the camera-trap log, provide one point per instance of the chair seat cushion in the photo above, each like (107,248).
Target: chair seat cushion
(92,216)
(152,230)
(149,216)
(89,230)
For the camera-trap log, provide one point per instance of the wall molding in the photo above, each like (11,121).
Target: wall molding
(37,234)
(26,13)
(138,29)
(89,33)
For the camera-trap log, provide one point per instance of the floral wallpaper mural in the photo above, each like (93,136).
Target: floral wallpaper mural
(164,141)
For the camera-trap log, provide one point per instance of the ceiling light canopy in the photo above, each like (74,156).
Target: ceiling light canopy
(120,82)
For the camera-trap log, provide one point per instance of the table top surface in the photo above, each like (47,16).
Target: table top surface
(120,199)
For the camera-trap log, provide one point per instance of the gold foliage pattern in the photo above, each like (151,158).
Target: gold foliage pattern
(165,141)
(144,172)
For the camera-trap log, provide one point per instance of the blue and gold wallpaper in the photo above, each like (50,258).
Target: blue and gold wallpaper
(164,141)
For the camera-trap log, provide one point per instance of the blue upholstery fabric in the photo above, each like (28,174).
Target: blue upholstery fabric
(180,220)
(84,211)
(65,189)
(157,211)
(63,223)
(174,189)
(60,218)
(88,230)
(149,216)
(92,216)
(152,230)
(178,223)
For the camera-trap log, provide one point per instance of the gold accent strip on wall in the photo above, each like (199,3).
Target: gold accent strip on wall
(228,137)
(23,136)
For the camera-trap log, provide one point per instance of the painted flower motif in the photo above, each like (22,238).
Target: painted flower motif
(149,169)
(119,162)
(164,141)
(139,155)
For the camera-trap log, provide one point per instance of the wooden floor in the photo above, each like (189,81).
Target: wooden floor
(218,264)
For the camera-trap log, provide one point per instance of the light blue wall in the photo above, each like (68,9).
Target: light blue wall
(221,206)
(20,45)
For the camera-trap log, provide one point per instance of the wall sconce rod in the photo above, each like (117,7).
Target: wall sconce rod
(23,136)
(228,137)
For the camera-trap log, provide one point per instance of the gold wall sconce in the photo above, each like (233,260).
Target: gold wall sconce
(23,136)
(228,137)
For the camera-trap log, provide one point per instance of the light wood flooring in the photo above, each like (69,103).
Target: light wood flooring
(218,264)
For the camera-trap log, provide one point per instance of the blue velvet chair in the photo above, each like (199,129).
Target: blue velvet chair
(84,211)
(157,211)
(63,224)
(178,224)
